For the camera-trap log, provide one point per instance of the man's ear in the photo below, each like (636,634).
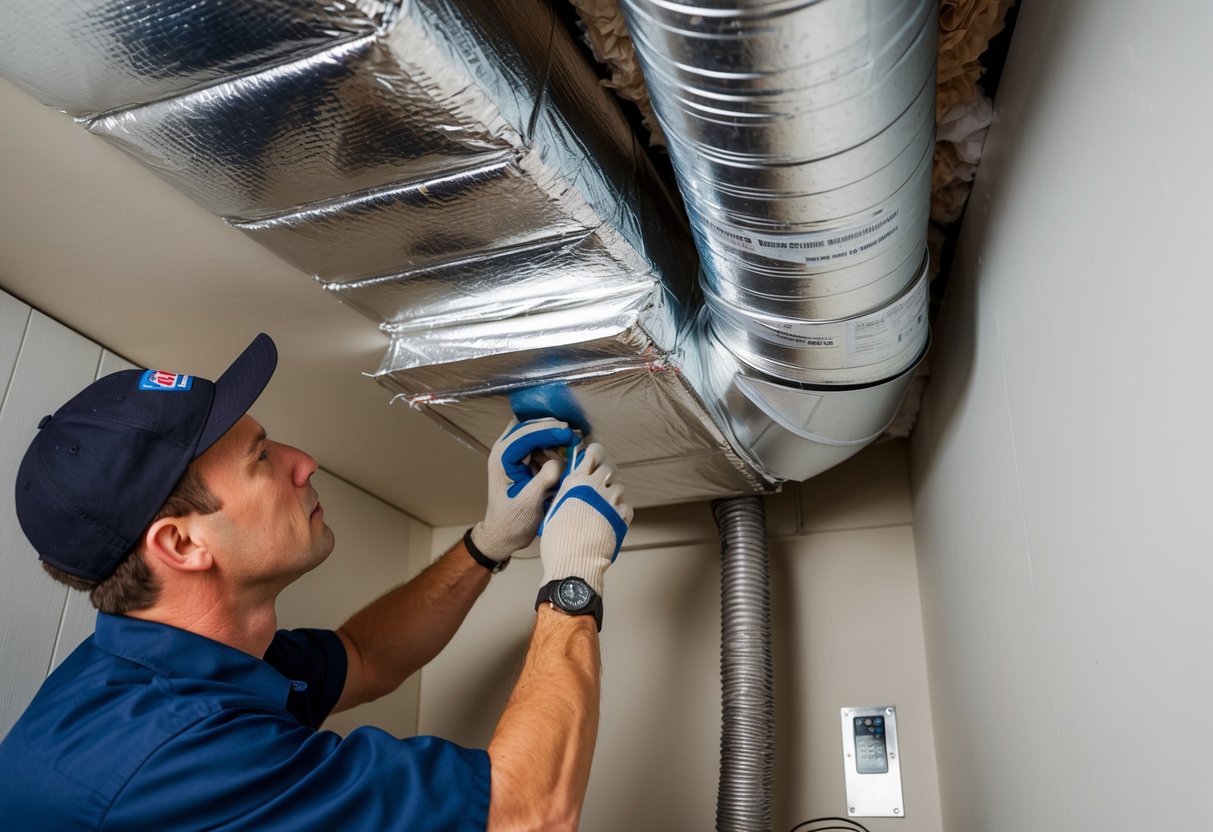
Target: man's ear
(168,541)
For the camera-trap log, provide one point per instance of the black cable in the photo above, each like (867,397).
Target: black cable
(854,824)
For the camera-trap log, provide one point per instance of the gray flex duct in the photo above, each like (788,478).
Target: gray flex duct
(455,171)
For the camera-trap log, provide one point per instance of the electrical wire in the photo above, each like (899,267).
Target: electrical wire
(852,826)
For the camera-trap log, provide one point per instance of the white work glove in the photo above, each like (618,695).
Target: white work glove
(519,483)
(587,522)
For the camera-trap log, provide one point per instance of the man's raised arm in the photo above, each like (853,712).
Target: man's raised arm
(544,742)
(393,637)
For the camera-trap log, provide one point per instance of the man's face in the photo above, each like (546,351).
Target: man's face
(271,525)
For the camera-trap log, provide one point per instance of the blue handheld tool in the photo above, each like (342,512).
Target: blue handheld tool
(550,399)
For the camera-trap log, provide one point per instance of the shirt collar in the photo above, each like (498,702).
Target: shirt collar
(180,654)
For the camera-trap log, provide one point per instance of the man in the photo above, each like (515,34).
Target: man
(185,709)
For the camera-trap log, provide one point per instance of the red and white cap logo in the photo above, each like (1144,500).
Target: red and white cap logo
(164,380)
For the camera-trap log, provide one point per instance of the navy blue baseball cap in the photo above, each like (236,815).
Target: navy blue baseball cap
(101,467)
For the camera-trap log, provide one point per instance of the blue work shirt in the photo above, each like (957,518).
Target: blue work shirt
(146,726)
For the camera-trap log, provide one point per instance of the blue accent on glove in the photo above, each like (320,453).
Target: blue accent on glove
(590,496)
(571,456)
(512,458)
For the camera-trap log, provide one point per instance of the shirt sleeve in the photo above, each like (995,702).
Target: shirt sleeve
(317,659)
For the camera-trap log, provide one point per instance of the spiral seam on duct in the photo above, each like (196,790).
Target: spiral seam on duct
(800,136)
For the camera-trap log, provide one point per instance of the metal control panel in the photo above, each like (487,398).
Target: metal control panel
(872,762)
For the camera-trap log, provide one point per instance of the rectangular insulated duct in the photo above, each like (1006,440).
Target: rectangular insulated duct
(455,171)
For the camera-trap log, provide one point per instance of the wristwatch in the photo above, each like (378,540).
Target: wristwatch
(572,596)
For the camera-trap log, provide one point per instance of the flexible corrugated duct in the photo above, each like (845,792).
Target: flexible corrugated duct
(747,735)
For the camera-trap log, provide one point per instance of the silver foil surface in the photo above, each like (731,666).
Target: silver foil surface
(794,430)
(801,136)
(91,56)
(647,414)
(497,354)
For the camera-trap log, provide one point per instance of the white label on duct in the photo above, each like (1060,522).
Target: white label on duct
(837,245)
(812,334)
(883,334)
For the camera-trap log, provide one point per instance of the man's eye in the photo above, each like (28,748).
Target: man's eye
(263,456)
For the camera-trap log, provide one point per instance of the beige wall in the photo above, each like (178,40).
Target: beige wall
(1064,458)
(847,631)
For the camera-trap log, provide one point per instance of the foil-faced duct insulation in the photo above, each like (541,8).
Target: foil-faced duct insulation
(801,135)
(452,170)
(455,171)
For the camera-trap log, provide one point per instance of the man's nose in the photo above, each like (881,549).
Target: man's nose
(304,466)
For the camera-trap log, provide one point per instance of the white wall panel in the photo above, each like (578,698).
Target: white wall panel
(14,317)
(53,363)
(1064,460)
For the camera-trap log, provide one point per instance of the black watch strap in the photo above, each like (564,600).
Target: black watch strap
(548,594)
(480,557)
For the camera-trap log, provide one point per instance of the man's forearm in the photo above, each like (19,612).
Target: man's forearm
(400,632)
(544,742)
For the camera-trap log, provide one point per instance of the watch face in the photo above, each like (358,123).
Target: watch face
(573,594)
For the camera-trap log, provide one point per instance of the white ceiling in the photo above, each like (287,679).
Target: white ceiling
(101,244)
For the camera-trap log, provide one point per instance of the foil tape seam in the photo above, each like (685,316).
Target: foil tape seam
(455,318)
(341,204)
(419,400)
(564,238)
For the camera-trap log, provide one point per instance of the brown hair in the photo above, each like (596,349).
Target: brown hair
(131,585)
